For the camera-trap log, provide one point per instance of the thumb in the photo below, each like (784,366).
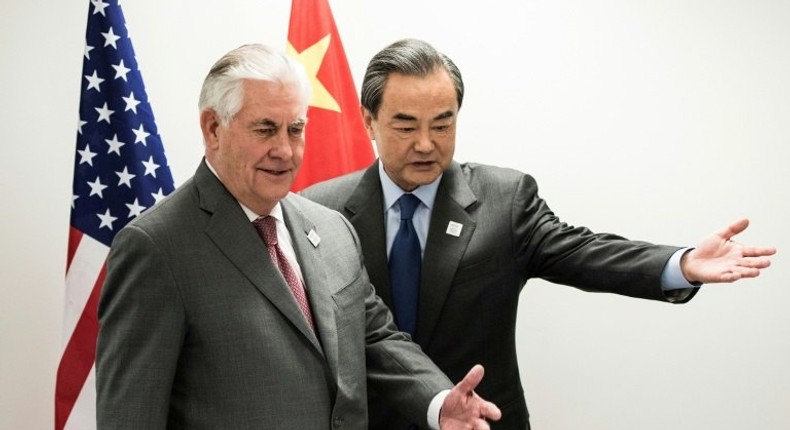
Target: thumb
(733,229)
(472,379)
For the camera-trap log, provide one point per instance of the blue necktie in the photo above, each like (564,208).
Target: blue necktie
(405,263)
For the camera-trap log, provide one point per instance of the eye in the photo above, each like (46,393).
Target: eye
(296,130)
(441,128)
(265,132)
(404,129)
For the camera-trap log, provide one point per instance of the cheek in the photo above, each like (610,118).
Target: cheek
(401,145)
(447,147)
(297,149)
(381,149)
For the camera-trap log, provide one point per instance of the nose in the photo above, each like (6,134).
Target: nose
(281,146)
(423,142)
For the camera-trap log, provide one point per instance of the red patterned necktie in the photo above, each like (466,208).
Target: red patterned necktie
(268,231)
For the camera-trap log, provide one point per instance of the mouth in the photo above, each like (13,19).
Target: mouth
(275,172)
(423,165)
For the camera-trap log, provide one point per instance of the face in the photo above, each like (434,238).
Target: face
(415,127)
(258,154)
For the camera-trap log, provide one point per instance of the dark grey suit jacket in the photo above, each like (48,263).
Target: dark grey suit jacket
(471,283)
(200,331)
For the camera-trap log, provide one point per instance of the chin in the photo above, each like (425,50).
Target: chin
(426,178)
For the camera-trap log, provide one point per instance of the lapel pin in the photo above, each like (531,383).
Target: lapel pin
(454,228)
(313,238)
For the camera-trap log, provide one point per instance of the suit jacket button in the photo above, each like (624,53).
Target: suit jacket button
(339,421)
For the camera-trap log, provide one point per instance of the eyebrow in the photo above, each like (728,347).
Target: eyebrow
(299,122)
(266,122)
(444,115)
(405,117)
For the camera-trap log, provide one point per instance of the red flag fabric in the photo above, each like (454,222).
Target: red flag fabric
(120,169)
(336,140)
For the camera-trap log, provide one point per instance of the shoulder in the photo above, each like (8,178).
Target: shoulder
(335,193)
(171,206)
(307,206)
(167,217)
(328,222)
(484,178)
(332,189)
(315,212)
(479,171)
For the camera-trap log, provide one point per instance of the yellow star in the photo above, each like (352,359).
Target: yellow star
(311,58)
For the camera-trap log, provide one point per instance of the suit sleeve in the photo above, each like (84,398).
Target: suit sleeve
(575,256)
(142,327)
(396,367)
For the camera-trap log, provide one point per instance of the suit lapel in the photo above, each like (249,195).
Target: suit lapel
(316,282)
(236,237)
(444,250)
(364,209)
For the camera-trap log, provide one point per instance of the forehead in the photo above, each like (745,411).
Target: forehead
(405,92)
(273,99)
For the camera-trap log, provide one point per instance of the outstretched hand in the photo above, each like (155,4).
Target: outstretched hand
(463,409)
(718,259)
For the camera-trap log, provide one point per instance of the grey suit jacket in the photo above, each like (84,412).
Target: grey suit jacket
(198,329)
(471,282)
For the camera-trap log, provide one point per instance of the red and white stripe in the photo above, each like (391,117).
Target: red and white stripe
(75,394)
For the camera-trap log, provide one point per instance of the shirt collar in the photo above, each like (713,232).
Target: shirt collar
(392,192)
(277,212)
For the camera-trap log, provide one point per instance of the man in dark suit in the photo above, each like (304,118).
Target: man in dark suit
(205,324)
(483,232)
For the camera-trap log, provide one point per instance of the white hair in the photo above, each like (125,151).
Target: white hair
(223,91)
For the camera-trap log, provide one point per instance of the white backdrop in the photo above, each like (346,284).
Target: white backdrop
(658,120)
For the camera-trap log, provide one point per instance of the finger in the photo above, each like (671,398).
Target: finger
(754,262)
(738,273)
(733,229)
(490,411)
(758,251)
(481,425)
(472,379)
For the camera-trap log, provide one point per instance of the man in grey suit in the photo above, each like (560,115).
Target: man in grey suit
(483,232)
(204,324)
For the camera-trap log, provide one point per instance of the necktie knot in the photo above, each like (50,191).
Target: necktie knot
(408,204)
(267,228)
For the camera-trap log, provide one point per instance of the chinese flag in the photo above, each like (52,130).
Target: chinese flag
(336,141)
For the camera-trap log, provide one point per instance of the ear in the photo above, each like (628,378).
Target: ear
(367,120)
(209,125)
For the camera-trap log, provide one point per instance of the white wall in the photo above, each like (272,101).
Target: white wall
(658,120)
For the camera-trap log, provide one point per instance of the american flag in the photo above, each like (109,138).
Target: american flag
(120,170)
